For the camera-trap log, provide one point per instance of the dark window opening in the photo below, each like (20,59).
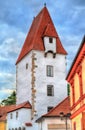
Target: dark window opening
(27,66)
(50,40)
(50,90)
(49,108)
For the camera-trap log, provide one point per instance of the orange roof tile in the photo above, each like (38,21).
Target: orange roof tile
(40,28)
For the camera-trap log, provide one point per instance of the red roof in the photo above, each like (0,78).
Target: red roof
(63,106)
(42,26)
(22,105)
(6,109)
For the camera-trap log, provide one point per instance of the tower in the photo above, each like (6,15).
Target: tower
(41,66)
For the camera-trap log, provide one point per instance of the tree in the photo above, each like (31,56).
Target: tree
(10,100)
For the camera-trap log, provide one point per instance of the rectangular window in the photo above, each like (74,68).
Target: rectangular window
(50,40)
(11,116)
(16,114)
(49,108)
(49,70)
(50,90)
(26,65)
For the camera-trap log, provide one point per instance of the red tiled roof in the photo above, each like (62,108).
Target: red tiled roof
(40,28)
(63,106)
(6,109)
(22,105)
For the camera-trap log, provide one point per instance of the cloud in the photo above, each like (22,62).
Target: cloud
(15,20)
(4,93)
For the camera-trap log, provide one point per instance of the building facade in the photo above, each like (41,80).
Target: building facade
(19,118)
(41,67)
(76,79)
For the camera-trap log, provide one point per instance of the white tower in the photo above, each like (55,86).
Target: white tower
(41,66)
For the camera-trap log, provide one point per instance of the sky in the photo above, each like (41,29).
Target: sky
(16,17)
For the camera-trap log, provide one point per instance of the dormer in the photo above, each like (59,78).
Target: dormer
(49,38)
(50,44)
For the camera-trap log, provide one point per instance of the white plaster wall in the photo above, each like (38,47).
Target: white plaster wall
(43,125)
(42,80)
(24,116)
(23,79)
(50,46)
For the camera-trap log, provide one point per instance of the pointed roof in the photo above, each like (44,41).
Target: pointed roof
(42,25)
(63,106)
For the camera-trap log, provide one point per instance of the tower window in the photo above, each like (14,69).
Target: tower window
(26,65)
(16,114)
(50,40)
(49,108)
(50,90)
(19,128)
(11,116)
(49,70)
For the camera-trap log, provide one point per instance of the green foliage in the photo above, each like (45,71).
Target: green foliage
(10,100)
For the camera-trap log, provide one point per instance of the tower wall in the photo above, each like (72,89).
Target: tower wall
(32,82)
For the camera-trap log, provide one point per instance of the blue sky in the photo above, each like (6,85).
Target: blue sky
(15,19)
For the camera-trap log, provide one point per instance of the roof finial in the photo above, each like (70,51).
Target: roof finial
(45,4)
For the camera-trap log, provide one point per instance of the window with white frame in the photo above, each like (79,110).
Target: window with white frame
(50,90)
(49,70)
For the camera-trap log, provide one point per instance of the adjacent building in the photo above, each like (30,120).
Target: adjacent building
(76,79)
(3,116)
(19,118)
(56,119)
